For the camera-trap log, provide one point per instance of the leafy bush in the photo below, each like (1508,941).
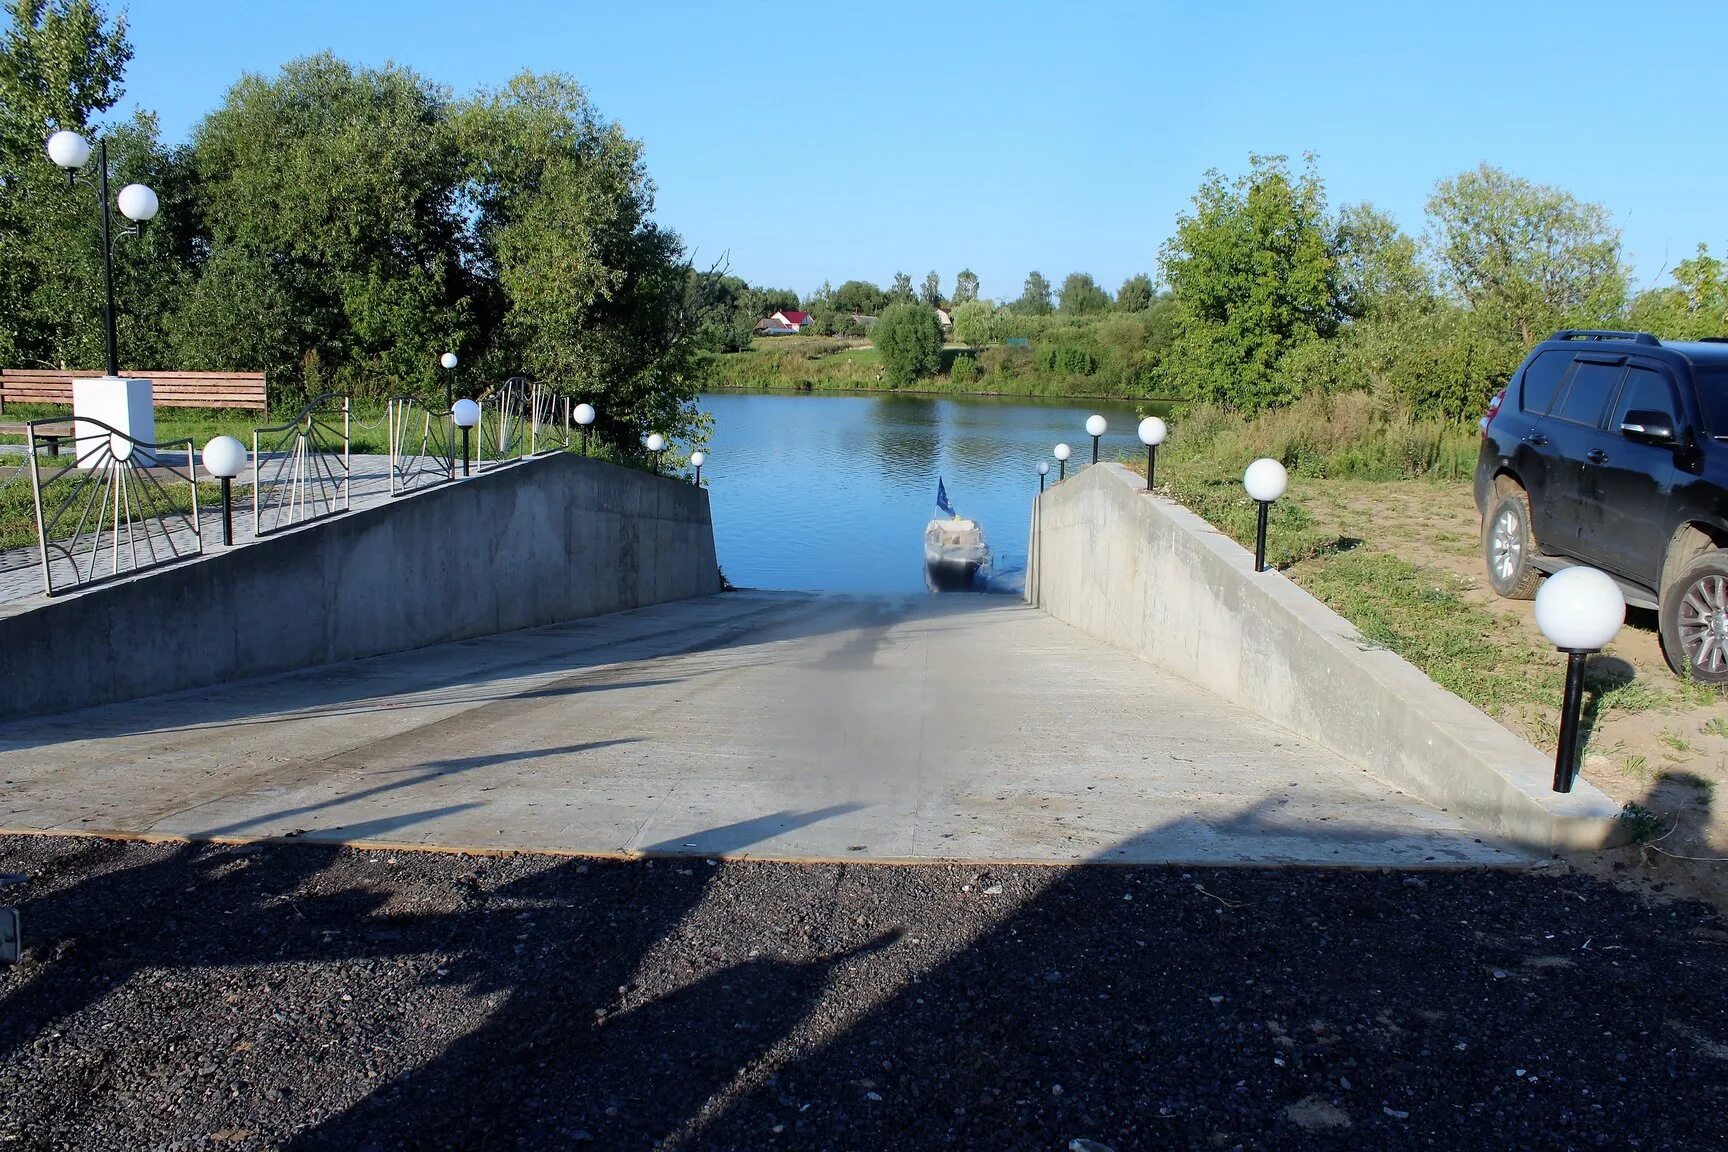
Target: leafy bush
(910,341)
(964,371)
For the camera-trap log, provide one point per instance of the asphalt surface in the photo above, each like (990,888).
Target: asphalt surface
(308,996)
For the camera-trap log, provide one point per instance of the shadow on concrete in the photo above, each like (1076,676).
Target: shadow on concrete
(422,774)
(735,837)
(604,653)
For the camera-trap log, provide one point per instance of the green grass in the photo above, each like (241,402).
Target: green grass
(1716,726)
(1420,615)
(368,424)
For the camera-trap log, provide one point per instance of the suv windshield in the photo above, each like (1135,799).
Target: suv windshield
(1713,396)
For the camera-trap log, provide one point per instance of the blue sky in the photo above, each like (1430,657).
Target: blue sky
(818,142)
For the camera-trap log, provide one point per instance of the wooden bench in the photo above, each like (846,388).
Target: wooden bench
(53,434)
(169,389)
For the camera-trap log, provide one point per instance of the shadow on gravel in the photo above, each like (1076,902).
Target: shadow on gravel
(320,998)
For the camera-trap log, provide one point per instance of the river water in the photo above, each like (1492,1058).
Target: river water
(832,492)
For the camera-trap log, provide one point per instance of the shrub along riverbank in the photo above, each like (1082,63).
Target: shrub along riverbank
(829,363)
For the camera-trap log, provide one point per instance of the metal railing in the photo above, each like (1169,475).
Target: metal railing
(116,507)
(422,445)
(300,469)
(518,419)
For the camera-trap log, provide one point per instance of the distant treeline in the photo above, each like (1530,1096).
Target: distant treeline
(1266,295)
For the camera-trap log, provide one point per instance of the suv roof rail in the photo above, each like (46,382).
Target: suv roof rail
(1604,334)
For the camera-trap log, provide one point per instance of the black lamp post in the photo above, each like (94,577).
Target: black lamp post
(1152,434)
(1043,471)
(448,360)
(137,203)
(1266,481)
(1095,427)
(1062,452)
(585,417)
(466,413)
(225,458)
(1580,610)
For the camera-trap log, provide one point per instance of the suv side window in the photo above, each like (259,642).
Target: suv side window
(1644,389)
(1541,380)
(1588,393)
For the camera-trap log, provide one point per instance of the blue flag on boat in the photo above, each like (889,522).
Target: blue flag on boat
(942,498)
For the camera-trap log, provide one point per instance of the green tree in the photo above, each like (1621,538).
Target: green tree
(965,286)
(331,192)
(61,65)
(1695,305)
(902,289)
(1135,295)
(973,322)
(1253,276)
(931,293)
(1034,297)
(859,296)
(1081,296)
(596,292)
(910,342)
(1529,258)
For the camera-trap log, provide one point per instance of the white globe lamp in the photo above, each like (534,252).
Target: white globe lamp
(1152,433)
(69,150)
(225,458)
(1095,427)
(1265,481)
(466,414)
(698,458)
(1580,610)
(138,203)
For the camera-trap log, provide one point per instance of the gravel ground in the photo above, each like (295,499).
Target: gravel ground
(309,997)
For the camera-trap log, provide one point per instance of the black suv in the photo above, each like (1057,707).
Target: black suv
(1611,449)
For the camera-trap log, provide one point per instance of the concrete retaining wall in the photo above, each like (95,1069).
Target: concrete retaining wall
(1147,575)
(553,539)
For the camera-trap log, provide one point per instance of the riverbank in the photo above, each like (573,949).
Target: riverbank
(827,363)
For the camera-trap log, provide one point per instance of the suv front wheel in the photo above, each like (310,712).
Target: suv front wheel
(1694,619)
(1508,546)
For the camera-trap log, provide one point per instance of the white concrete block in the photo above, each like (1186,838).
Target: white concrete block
(125,405)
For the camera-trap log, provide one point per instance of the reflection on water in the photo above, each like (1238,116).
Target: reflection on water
(832,493)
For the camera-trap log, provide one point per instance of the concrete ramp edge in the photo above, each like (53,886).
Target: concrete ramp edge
(1145,574)
(544,541)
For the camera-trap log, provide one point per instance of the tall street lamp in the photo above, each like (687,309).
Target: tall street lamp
(1062,452)
(1265,480)
(225,458)
(1095,427)
(448,360)
(1043,471)
(125,405)
(136,201)
(1580,610)
(1152,434)
(698,458)
(466,413)
(585,417)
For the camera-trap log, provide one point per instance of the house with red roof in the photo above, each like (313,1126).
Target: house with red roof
(783,323)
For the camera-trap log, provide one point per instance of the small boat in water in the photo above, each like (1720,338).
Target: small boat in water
(954,547)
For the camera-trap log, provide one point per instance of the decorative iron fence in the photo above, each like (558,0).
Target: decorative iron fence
(300,469)
(422,445)
(118,506)
(520,418)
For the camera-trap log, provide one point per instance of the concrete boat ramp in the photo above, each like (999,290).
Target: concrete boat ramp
(773,725)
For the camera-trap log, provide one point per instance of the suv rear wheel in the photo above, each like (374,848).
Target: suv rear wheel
(1694,619)
(1508,546)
